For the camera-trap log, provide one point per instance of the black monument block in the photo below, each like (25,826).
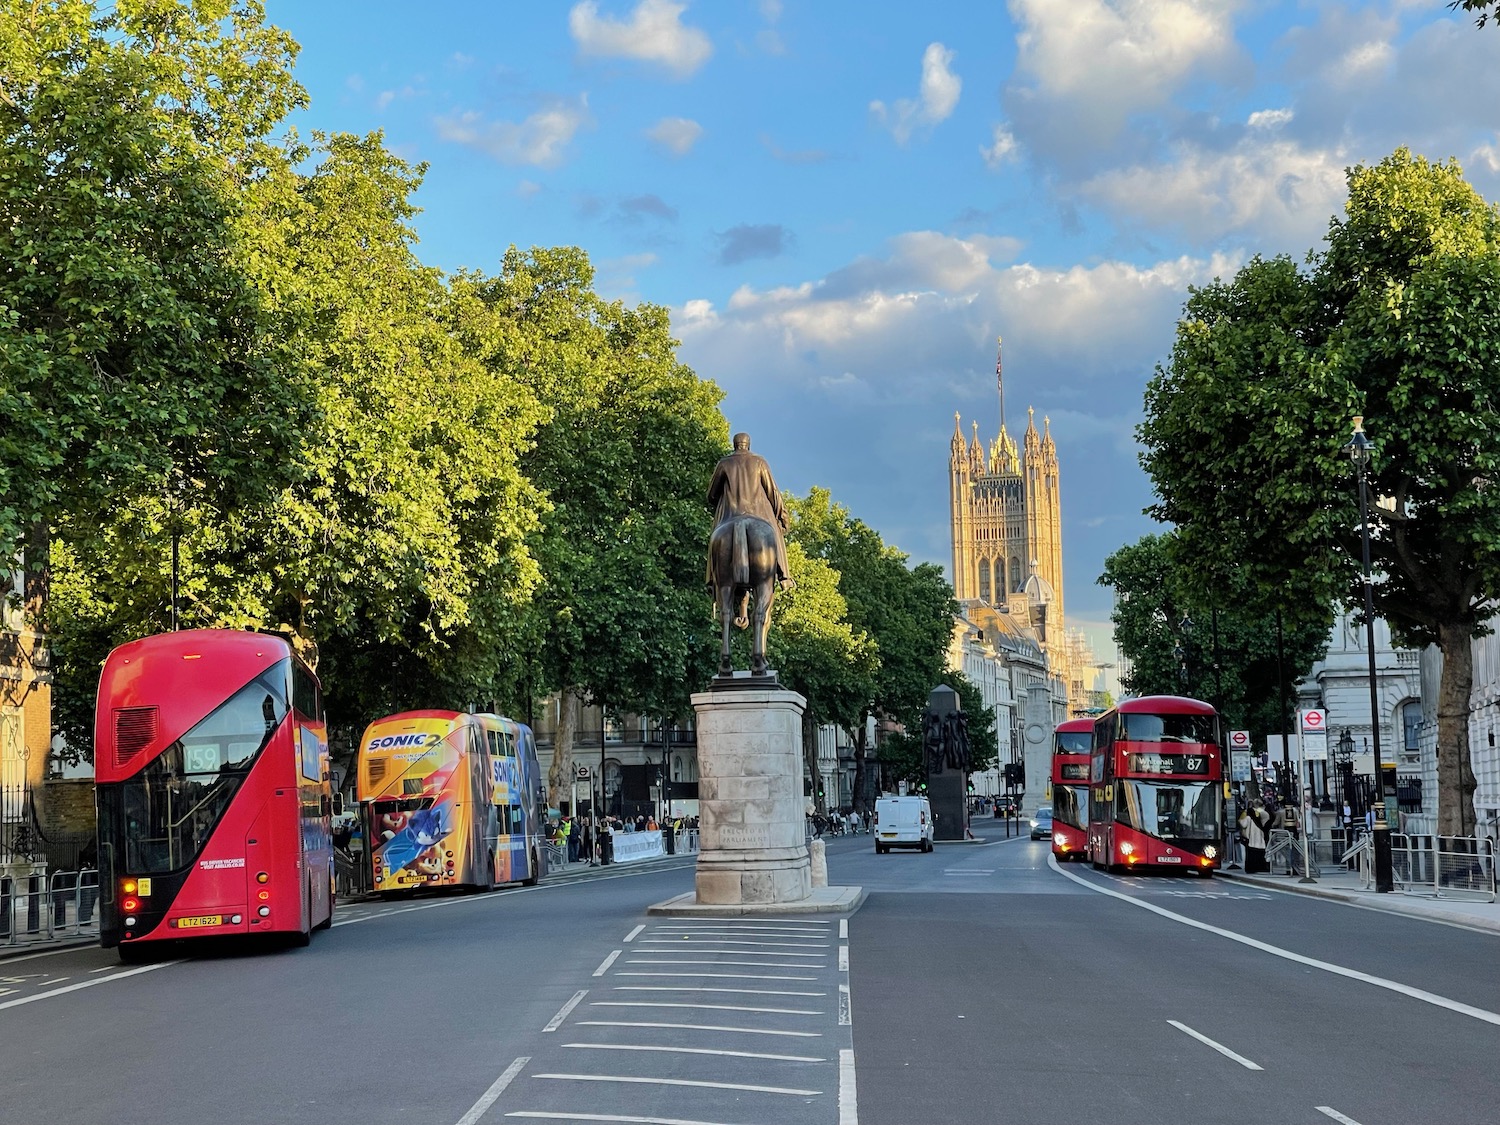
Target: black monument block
(945,747)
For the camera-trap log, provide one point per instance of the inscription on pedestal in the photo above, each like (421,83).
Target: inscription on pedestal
(756,836)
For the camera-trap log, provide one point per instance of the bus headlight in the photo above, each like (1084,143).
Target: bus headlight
(1211,852)
(1060,840)
(1127,848)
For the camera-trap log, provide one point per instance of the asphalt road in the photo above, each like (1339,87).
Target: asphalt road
(979,983)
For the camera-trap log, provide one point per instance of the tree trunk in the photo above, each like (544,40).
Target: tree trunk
(810,754)
(1455,774)
(859,767)
(560,775)
(37,583)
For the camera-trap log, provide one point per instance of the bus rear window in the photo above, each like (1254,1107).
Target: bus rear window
(1169,728)
(1074,742)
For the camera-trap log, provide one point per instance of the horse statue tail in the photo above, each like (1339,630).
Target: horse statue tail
(740,555)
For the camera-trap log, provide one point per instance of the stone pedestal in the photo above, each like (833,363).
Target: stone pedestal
(752,843)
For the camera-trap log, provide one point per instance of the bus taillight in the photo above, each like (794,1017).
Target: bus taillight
(130,905)
(262,877)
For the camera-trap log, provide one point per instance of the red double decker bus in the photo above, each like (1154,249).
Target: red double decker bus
(1156,786)
(1072,747)
(215,808)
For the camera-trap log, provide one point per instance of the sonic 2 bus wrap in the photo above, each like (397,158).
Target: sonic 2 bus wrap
(1156,786)
(1072,745)
(451,799)
(215,807)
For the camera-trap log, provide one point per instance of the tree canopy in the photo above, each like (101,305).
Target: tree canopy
(1397,320)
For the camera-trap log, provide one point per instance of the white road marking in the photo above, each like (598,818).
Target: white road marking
(694,1051)
(102,969)
(562,1012)
(54,980)
(680,1082)
(809,924)
(848,1102)
(846,1009)
(843,927)
(968,871)
(497,1087)
(16,1003)
(543,1115)
(631,935)
(681,930)
(715,976)
(8,991)
(739,941)
(738,964)
(705,1007)
(1276,951)
(1329,1111)
(1223,1050)
(843,958)
(703,1027)
(607,962)
(706,988)
(732,952)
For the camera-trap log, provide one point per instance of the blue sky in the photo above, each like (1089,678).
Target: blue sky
(844,203)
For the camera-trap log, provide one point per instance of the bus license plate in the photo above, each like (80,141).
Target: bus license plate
(200,920)
(1171,859)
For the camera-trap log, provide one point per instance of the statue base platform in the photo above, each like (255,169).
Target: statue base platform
(752,837)
(746,681)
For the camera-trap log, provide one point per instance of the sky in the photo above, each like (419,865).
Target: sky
(843,203)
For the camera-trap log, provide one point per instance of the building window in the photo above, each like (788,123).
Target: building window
(984,580)
(1411,725)
(1015,574)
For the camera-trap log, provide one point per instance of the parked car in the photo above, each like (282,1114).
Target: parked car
(1041,823)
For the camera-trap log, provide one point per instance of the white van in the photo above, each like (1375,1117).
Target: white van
(902,822)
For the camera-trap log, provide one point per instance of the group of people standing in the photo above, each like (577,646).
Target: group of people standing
(593,840)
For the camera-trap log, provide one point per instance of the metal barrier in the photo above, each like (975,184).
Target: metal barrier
(1444,866)
(1284,854)
(41,907)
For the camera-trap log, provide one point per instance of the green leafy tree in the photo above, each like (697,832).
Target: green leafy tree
(1398,320)
(623,457)
(907,612)
(1486,10)
(137,359)
(819,653)
(1227,657)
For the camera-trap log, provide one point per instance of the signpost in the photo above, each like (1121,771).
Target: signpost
(1312,746)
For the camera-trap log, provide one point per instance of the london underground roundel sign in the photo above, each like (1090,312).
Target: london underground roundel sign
(1239,739)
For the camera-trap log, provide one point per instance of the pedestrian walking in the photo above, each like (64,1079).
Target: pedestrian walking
(1255,823)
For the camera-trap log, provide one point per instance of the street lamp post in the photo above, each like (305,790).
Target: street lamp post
(1359,453)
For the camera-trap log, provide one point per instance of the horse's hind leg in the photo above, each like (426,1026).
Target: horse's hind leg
(726,597)
(765,592)
(742,614)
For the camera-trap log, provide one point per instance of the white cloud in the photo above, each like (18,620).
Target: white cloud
(1085,67)
(654,33)
(677,135)
(527,188)
(1269,118)
(911,318)
(936,100)
(1274,190)
(541,139)
(1002,147)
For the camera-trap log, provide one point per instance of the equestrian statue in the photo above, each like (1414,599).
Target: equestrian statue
(747,551)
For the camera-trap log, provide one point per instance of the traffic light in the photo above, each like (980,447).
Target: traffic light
(971,785)
(922,788)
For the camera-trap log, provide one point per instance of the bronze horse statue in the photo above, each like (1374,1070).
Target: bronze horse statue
(742,565)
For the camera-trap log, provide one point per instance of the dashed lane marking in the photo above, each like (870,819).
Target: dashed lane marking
(34,997)
(703,1007)
(632,934)
(562,1013)
(1223,1050)
(497,1087)
(607,962)
(1329,1111)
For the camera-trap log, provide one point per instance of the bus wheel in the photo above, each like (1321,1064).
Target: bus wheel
(327,923)
(489,880)
(530,880)
(131,954)
(302,938)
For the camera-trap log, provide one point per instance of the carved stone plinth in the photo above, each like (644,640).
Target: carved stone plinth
(752,833)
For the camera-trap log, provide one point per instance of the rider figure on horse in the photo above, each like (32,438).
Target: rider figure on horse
(742,486)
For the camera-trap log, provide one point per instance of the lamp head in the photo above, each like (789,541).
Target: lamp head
(1359,444)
